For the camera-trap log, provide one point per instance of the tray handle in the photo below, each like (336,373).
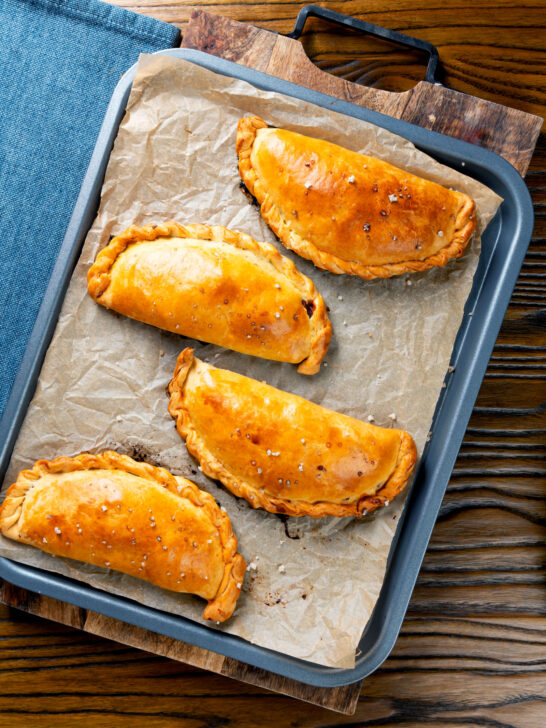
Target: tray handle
(369,29)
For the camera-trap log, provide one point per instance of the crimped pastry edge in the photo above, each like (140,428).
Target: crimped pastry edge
(247,129)
(212,467)
(98,276)
(219,608)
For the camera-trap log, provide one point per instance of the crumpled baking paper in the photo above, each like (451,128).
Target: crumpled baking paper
(312,584)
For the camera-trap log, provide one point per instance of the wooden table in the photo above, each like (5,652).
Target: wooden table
(472,650)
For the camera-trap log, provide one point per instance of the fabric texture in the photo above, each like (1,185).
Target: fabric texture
(60,61)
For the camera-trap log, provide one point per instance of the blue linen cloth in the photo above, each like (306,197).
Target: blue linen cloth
(60,61)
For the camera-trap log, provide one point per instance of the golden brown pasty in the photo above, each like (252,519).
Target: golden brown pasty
(347,212)
(111,511)
(215,285)
(282,452)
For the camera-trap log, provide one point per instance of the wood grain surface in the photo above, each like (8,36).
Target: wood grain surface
(472,651)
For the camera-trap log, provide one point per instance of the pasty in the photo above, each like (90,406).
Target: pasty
(280,451)
(111,511)
(215,285)
(347,212)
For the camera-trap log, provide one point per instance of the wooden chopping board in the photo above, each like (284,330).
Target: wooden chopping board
(509,132)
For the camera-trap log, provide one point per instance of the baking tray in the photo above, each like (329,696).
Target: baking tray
(504,244)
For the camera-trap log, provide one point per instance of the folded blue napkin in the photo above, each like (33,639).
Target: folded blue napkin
(59,63)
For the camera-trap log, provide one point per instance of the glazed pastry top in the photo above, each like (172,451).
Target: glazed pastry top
(116,513)
(215,285)
(281,451)
(348,212)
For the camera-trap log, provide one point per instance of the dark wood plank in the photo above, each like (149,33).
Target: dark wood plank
(443,671)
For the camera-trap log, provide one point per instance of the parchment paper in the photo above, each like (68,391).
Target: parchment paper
(312,584)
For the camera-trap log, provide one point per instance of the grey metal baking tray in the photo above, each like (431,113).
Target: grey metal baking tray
(504,245)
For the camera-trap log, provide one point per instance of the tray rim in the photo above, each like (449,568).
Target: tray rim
(82,595)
